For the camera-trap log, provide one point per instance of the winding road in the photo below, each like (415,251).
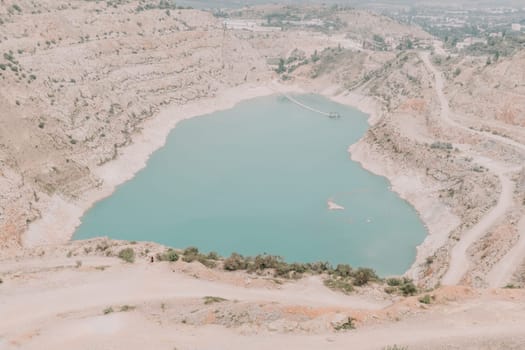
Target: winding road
(459,262)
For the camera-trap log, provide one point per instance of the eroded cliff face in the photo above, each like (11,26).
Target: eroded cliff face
(79,80)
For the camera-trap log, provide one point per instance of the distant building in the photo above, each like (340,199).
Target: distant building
(496,35)
(470,41)
(249,25)
(516,27)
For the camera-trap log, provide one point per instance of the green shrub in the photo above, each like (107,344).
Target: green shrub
(168,255)
(205,261)
(426,299)
(408,288)
(319,267)
(299,268)
(235,262)
(364,275)
(262,262)
(340,284)
(343,270)
(395,347)
(211,300)
(108,310)
(394,282)
(348,324)
(293,271)
(127,254)
(281,68)
(190,254)
(213,256)
(125,308)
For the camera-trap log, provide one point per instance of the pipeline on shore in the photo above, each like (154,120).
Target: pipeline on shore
(333,115)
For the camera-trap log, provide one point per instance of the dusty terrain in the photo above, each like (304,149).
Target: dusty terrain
(75,296)
(90,89)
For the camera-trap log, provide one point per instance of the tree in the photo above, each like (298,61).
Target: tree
(127,254)
(281,68)
(315,56)
(234,262)
(364,275)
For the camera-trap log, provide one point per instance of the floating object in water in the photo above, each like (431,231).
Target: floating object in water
(334,206)
(334,115)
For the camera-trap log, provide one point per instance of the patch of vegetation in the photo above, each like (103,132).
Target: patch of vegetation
(346,325)
(441,145)
(212,300)
(127,254)
(364,275)
(394,282)
(343,284)
(403,286)
(395,347)
(426,299)
(168,255)
(125,308)
(213,256)
(108,310)
(342,277)
(263,262)
(235,262)
(192,254)
(9,56)
(408,288)
(102,246)
(281,68)
(161,5)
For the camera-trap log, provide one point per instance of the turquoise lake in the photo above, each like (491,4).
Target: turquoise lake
(256,179)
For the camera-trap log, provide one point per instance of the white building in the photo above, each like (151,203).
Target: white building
(516,27)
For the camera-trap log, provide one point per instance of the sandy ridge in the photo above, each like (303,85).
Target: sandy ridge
(502,272)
